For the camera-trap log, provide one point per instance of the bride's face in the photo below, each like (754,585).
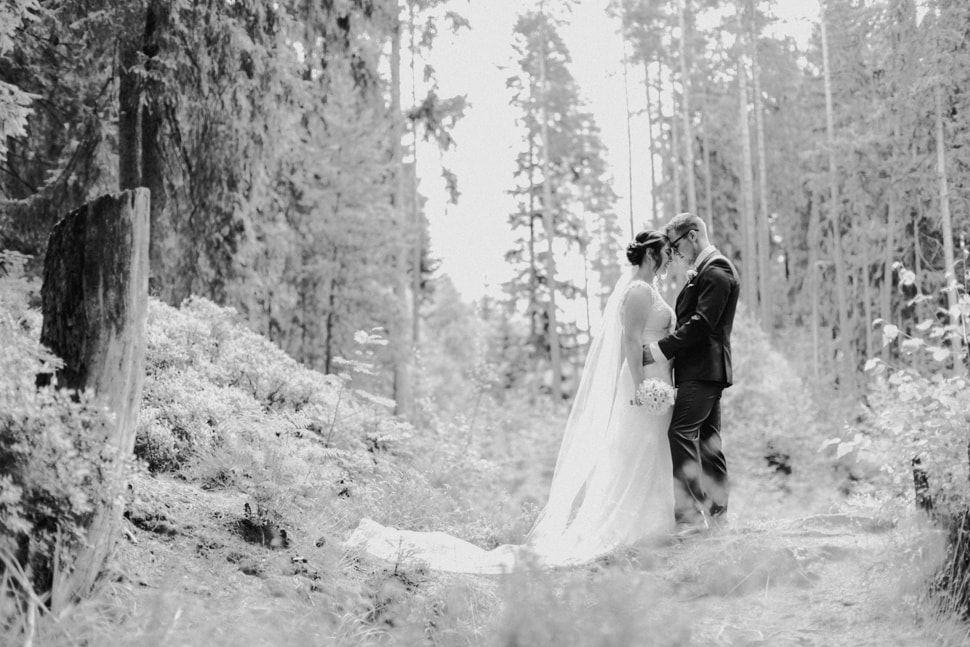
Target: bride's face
(675,261)
(666,258)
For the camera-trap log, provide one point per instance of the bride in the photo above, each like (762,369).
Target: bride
(613,483)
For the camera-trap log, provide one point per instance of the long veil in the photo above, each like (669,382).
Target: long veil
(588,422)
(581,451)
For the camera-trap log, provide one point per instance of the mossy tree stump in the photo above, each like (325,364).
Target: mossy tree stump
(95,301)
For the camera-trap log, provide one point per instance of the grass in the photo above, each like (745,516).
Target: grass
(849,576)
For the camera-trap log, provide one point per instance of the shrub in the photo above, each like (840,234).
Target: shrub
(916,420)
(209,377)
(915,430)
(51,441)
(212,340)
(183,414)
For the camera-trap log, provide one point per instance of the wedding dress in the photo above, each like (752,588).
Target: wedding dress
(612,485)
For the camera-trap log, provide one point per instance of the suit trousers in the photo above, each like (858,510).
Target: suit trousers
(700,470)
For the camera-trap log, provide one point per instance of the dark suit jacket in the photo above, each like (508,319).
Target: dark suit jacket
(700,346)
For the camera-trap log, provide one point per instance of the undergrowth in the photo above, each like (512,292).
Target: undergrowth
(51,443)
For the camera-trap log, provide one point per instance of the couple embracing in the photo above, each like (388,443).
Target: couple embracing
(625,473)
(700,349)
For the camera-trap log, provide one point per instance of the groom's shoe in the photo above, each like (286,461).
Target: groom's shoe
(692,525)
(717,517)
(688,530)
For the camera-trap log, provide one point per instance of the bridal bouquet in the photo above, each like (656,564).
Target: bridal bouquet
(655,395)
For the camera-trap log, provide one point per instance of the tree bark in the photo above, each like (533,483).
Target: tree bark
(152,167)
(763,223)
(417,251)
(894,199)
(920,310)
(95,300)
(129,94)
(949,277)
(845,371)
(675,153)
(814,237)
(651,146)
(400,329)
(866,288)
(685,107)
(629,141)
(533,257)
(708,189)
(885,293)
(750,293)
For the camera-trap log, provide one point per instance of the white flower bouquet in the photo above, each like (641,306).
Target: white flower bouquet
(655,395)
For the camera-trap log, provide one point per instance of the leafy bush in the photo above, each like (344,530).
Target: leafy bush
(916,419)
(51,441)
(183,414)
(214,342)
(915,428)
(209,377)
(226,408)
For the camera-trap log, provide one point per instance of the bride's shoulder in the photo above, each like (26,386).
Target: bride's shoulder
(644,287)
(638,291)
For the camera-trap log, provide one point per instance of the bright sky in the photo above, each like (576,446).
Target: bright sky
(471,237)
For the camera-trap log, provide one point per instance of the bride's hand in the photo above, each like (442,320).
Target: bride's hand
(637,401)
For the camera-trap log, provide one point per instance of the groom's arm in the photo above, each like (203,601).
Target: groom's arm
(715,289)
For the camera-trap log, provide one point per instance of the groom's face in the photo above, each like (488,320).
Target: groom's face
(683,245)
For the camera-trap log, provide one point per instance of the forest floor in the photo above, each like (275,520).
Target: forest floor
(851,577)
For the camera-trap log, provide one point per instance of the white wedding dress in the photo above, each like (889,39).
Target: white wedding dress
(613,482)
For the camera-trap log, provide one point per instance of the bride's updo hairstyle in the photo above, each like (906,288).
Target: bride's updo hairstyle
(646,244)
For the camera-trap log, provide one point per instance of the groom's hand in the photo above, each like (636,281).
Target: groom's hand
(647,356)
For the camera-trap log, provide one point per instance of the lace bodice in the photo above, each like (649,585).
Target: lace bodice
(660,319)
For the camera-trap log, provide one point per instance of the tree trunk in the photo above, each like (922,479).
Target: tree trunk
(845,373)
(814,236)
(399,329)
(328,354)
(152,167)
(763,223)
(899,63)
(750,293)
(129,175)
(866,287)
(589,319)
(885,293)
(417,252)
(95,301)
(685,107)
(533,256)
(629,141)
(949,277)
(921,306)
(651,147)
(708,189)
(675,153)
(547,216)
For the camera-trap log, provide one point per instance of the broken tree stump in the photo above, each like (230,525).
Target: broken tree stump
(94,301)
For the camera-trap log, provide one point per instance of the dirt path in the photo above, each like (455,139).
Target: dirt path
(823,580)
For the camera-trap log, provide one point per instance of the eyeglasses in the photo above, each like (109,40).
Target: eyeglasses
(675,244)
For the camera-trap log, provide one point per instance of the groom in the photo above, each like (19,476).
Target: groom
(700,347)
